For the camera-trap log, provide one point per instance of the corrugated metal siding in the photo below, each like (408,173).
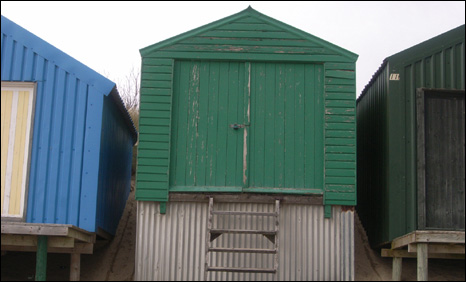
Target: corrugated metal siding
(172,246)
(437,63)
(372,162)
(64,169)
(115,166)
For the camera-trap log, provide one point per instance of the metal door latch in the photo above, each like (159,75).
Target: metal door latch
(237,126)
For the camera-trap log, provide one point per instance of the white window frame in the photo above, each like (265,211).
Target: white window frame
(16,87)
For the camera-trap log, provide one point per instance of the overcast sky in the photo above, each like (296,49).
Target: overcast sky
(107,36)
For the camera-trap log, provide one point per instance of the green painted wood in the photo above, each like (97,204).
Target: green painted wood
(207,99)
(295,93)
(41,258)
(284,107)
(154,138)
(248,24)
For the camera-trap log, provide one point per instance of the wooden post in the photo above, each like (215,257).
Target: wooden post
(41,258)
(422,260)
(75,267)
(396,268)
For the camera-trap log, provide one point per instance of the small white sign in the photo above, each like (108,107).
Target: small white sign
(395,76)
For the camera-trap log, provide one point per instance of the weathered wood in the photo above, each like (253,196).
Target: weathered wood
(247,198)
(41,259)
(241,269)
(243,231)
(32,241)
(422,262)
(439,248)
(75,267)
(79,248)
(406,254)
(450,237)
(245,213)
(397,268)
(65,230)
(243,250)
(208,237)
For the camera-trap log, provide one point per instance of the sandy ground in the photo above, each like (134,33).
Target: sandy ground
(114,260)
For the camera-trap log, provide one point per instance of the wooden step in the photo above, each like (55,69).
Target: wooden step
(241,269)
(243,250)
(242,231)
(245,213)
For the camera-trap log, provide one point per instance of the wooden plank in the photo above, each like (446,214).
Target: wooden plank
(310,120)
(422,262)
(406,254)
(396,268)
(75,267)
(279,117)
(245,213)
(32,241)
(241,269)
(242,231)
(243,250)
(300,125)
(259,57)
(250,34)
(247,198)
(81,248)
(439,248)
(39,229)
(452,237)
(290,124)
(200,40)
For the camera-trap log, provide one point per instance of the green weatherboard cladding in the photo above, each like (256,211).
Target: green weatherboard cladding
(247,104)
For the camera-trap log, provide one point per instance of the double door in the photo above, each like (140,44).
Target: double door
(240,126)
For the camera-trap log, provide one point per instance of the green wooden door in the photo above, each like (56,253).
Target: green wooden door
(286,132)
(206,153)
(277,144)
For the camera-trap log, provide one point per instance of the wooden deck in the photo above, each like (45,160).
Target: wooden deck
(423,245)
(48,238)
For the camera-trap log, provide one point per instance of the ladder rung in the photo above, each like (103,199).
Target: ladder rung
(241,269)
(243,231)
(245,213)
(243,250)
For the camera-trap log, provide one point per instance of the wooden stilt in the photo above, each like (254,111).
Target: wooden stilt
(422,265)
(75,267)
(41,258)
(396,268)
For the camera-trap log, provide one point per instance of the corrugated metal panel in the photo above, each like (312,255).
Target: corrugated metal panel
(115,166)
(171,246)
(387,165)
(372,132)
(64,169)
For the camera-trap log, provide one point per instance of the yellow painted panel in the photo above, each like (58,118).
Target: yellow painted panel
(18,156)
(6,100)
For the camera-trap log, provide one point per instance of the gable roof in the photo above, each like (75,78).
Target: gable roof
(267,28)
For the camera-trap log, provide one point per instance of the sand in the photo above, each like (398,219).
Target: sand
(114,260)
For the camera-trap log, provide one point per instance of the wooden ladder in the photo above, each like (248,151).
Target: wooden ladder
(214,233)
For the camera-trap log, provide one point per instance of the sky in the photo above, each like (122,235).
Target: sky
(106,36)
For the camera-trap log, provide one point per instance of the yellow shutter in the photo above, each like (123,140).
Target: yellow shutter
(16,123)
